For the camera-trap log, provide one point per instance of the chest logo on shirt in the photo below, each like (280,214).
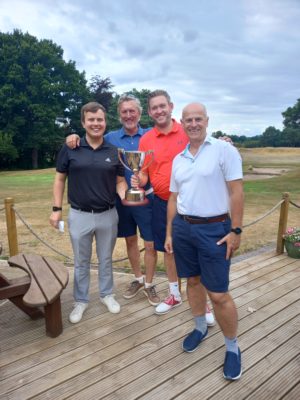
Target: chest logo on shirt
(108,159)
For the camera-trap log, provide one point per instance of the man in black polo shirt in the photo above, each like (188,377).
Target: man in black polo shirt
(95,175)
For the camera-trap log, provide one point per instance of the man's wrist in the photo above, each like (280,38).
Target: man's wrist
(56,209)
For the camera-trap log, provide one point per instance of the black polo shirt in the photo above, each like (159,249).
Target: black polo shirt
(92,174)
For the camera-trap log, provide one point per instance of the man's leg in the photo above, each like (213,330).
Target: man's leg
(133,253)
(150,260)
(81,234)
(227,317)
(196,294)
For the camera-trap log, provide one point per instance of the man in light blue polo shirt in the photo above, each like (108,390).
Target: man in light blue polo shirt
(128,137)
(205,213)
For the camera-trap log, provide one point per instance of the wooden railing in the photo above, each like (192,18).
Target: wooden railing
(13,239)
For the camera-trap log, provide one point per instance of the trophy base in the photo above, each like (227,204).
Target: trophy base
(135,203)
(135,197)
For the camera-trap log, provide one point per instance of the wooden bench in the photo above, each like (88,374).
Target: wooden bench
(41,288)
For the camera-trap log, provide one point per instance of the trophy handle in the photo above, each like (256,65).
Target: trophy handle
(122,151)
(150,161)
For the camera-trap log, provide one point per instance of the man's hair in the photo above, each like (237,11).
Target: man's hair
(159,92)
(129,97)
(93,107)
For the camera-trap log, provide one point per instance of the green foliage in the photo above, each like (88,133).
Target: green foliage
(36,87)
(292,116)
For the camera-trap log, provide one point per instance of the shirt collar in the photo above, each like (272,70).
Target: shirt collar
(125,134)
(175,128)
(208,139)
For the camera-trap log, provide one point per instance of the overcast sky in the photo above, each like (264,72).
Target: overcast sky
(241,58)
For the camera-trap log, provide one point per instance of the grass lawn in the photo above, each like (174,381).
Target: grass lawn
(32,193)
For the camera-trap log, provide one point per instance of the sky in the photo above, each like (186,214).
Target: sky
(241,58)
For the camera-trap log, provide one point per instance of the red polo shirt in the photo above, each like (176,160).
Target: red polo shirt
(165,147)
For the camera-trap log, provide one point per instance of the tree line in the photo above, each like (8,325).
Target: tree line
(41,95)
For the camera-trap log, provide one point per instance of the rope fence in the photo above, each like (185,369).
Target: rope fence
(71,259)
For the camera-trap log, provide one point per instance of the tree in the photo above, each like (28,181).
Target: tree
(292,116)
(271,137)
(36,88)
(100,90)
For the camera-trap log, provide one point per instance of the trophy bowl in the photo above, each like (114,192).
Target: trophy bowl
(134,162)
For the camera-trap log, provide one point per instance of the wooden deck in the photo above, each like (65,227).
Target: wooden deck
(137,354)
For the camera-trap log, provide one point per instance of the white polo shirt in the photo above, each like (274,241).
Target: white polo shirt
(200,180)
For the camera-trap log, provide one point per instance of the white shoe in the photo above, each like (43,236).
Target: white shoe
(110,302)
(78,310)
(209,316)
(168,304)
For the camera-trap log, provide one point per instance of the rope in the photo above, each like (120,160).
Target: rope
(71,259)
(40,239)
(265,215)
(294,204)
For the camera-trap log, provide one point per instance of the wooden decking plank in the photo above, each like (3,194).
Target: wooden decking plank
(280,383)
(172,378)
(89,323)
(217,341)
(211,386)
(88,331)
(97,375)
(142,359)
(293,394)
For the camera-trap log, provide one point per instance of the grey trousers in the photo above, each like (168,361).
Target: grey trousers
(83,227)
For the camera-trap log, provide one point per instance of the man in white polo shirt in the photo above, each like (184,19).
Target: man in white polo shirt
(205,213)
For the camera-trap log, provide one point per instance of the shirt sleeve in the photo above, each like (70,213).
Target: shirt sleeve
(232,163)
(62,163)
(173,185)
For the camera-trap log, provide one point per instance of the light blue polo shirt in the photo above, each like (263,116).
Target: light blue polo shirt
(121,139)
(200,180)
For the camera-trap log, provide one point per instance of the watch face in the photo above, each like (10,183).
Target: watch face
(238,231)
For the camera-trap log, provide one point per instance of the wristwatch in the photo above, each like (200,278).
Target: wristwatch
(54,208)
(237,230)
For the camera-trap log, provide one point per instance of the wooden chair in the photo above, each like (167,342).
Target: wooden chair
(41,288)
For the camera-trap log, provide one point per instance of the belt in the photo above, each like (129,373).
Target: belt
(148,191)
(93,210)
(203,220)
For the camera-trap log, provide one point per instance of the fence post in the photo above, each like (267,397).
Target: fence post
(284,210)
(11,226)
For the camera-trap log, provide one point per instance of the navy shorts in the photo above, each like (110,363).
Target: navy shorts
(159,223)
(131,217)
(197,253)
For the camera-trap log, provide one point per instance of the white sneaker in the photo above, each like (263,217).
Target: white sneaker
(110,302)
(78,310)
(168,304)
(209,316)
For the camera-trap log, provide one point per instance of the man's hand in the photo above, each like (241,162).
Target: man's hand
(233,243)
(55,217)
(169,245)
(226,139)
(135,181)
(73,141)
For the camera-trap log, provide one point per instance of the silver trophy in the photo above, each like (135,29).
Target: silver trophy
(134,162)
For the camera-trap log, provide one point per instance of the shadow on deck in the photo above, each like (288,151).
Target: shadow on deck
(137,354)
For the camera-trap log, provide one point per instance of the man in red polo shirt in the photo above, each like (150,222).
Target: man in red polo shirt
(166,139)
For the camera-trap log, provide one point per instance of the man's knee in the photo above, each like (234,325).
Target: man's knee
(149,247)
(193,281)
(219,298)
(131,241)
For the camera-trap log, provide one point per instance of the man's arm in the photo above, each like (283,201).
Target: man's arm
(171,212)
(58,194)
(236,196)
(121,186)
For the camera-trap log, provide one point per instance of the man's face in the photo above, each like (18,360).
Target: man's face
(160,110)
(129,116)
(94,124)
(194,122)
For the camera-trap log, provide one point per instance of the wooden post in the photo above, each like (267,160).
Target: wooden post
(284,210)
(11,226)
